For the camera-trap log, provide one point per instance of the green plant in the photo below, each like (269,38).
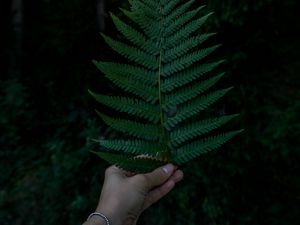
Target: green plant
(166,87)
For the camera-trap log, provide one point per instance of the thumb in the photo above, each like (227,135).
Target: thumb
(159,175)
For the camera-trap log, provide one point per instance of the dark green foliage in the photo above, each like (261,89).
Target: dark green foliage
(170,82)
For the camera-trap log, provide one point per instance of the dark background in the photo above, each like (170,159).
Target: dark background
(47,174)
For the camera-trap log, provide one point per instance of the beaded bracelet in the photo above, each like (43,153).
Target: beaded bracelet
(101,215)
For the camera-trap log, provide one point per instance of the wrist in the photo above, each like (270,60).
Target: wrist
(116,218)
(112,213)
(95,220)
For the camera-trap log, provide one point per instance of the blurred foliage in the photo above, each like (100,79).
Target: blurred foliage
(48,175)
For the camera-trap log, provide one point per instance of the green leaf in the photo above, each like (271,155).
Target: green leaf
(187,76)
(196,148)
(174,14)
(129,83)
(132,53)
(148,25)
(194,129)
(179,22)
(136,147)
(170,6)
(151,4)
(141,130)
(187,60)
(185,46)
(144,9)
(186,31)
(131,106)
(195,106)
(189,92)
(135,37)
(140,74)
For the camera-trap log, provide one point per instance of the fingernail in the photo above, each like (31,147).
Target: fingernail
(168,168)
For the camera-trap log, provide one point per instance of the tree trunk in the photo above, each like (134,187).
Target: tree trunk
(17,35)
(100,7)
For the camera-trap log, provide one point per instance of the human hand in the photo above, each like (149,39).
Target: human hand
(124,197)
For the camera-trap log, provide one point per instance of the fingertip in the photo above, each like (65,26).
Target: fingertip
(170,184)
(168,169)
(177,176)
(180,175)
(159,175)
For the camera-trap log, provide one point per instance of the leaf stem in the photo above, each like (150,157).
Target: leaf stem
(166,155)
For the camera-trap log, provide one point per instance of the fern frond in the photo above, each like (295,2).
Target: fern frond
(140,74)
(131,106)
(187,93)
(135,36)
(174,14)
(170,6)
(195,106)
(169,83)
(196,148)
(151,4)
(135,147)
(144,9)
(192,130)
(186,31)
(132,53)
(187,76)
(129,84)
(179,22)
(140,130)
(187,60)
(185,46)
(150,27)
